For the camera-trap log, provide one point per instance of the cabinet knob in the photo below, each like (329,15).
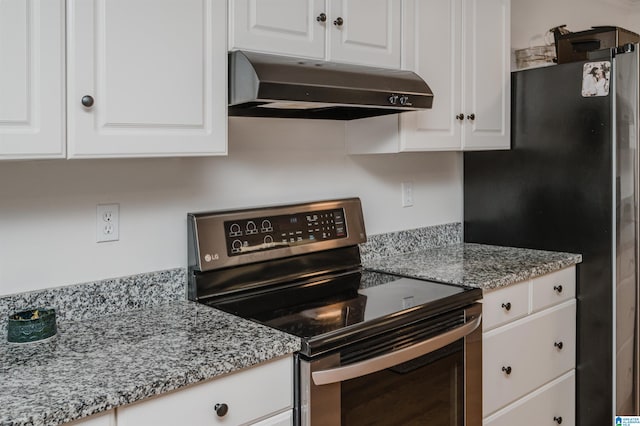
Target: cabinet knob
(507,370)
(471,117)
(558,345)
(338,22)
(87,101)
(558,288)
(558,420)
(460,117)
(507,306)
(322,17)
(221,409)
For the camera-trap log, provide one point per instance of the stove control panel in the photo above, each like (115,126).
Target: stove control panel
(271,232)
(226,238)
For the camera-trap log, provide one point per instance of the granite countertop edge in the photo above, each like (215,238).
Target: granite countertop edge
(232,352)
(527,274)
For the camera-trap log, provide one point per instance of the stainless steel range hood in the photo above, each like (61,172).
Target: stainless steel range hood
(264,85)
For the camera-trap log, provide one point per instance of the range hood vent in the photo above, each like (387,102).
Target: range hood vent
(264,85)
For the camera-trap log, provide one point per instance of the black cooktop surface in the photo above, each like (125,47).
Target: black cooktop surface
(332,308)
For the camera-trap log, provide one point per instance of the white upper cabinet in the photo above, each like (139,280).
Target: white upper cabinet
(146,78)
(486,83)
(287,27)
(462,50)
(32,79)
(366,32)
(432,47)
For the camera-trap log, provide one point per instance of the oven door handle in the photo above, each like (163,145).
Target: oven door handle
(382,362)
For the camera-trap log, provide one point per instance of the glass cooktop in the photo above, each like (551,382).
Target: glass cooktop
(329,307)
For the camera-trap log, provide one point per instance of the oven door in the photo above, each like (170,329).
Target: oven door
(416,375)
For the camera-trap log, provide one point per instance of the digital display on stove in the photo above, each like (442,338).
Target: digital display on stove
(273,232)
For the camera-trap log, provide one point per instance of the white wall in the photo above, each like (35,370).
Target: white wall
(530,20)
(47,208)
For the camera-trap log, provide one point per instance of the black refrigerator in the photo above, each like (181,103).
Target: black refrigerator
(570,183)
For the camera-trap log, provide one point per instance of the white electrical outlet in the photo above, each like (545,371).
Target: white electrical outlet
(107,222)
(407,194)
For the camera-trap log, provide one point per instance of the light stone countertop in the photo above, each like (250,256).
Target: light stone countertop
(92,366)
(119,358)
(474,265)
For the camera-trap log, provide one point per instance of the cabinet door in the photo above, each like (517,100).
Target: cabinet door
(432,48)
(32,79)
(366,32)
(155,71)
(248,394)
(287,27)
(487,77)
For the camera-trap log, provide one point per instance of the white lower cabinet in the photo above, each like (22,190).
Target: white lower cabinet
(552,404)
(529,347)
(262,394)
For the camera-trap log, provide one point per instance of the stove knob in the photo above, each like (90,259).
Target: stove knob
(234,230)
(221,409)
(236,246)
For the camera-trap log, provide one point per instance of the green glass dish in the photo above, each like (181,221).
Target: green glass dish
(31,325)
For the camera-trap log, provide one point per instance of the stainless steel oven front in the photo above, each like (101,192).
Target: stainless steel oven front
(376,348)
(426,373)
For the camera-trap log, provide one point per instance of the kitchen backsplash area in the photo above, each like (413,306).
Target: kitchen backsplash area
(394,243)
(110,296)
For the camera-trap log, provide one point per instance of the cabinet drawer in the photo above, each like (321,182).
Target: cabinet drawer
(553,288)
(505,304)
(524,355)
(552,403)
(250,394)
